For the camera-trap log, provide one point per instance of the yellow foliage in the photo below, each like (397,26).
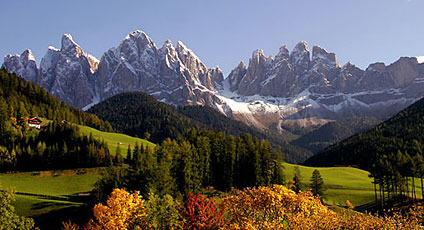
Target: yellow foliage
(272,208)
(123,211)
(280,208)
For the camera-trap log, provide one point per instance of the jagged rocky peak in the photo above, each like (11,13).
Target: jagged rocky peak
(68,73)
(137,46)
(23,65)
(300,58)
(70,47)
(256,72)
(349,65)
(27,56)
(170,73)
(321,56)
(404,71)
(49,60)
(167,45)
(283,54)
(190,60)
(351,69)
(236,76)
(259,60)
(378,66)
(169,54)
(138,40)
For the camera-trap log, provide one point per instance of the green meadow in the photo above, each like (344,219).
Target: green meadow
(343,183)
(41,192)
(115,139)
(112,139)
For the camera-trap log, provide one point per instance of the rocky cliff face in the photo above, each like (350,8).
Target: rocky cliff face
(172,74)
(301,86)
(297,86)
(67,73)
(23,65)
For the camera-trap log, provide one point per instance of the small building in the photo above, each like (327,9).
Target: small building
(34,122)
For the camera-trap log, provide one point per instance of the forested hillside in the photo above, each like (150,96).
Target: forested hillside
(333,132)
(403,132)
(58,144)
(139,114)
(20,98)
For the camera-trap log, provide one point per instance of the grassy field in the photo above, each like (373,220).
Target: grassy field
(114,138)
(62,187)
(343,183)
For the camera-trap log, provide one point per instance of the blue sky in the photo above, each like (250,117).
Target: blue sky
(222,32)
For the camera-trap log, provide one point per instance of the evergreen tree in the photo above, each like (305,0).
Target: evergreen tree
(278,176)
(317,184)
(128,157)
(297,177)
(119,160)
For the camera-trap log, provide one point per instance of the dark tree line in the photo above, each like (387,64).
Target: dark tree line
(204,159)
(58,146)
(395,175)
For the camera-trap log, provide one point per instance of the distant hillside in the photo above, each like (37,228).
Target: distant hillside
(333,132)
(397,133)
(20,98)
(137,113)
(58,145)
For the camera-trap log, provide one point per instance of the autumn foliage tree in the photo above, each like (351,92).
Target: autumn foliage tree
(199,213)
(122,211)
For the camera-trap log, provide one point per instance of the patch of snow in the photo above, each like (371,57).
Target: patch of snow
(95,100)
(420,59)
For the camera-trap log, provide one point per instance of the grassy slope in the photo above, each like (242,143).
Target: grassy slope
(114,138)
(62,187)
(343,183)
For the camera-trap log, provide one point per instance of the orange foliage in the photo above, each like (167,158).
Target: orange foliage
(123,211)
(281,208)
(200,213)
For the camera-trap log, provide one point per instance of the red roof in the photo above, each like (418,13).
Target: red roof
(34,120)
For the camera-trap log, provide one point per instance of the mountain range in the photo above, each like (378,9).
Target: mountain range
(298,88)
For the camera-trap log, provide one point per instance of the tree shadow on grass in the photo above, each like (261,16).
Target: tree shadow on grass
(51,205)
